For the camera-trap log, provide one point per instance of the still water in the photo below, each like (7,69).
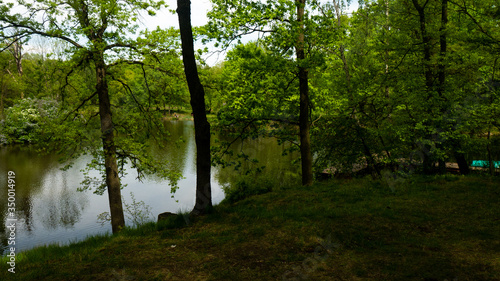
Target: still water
(49,209)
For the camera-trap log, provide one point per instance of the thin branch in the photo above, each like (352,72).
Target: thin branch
(31,30)
(239,135)
(16,39)
(132,62)
(80,106)
(120,45)
(466,12)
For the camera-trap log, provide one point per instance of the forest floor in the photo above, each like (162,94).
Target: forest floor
(417,228)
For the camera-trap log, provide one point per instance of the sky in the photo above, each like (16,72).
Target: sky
(165,19)
(199,9)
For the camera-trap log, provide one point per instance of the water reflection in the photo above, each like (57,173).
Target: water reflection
(179,147)
(27,186)
(268,154)
(63,207)
(50,210)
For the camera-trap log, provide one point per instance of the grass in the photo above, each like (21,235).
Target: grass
(423,228)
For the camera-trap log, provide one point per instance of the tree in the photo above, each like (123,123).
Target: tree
(201,125)
(304,124)
(484,36)
(353,90)
(97,32)
(16,49)
(259,90)
(286,22)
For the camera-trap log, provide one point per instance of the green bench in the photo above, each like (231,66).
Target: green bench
(485,164)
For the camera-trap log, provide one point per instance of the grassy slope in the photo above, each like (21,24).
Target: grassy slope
(445,228)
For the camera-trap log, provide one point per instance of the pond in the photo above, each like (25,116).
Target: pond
(49,209)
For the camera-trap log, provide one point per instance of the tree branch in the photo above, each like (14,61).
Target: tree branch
(29,30)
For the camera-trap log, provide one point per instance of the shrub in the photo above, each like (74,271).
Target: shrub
(24,122)
(247,185)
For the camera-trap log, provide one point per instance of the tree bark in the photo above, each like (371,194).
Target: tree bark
(16,50)
(304,125)
(490,159)
(429,80)
(443,46)
(201,126)
(459,156)
(427,162)
(386,58)
(463,167)
(2,84)
(110,164)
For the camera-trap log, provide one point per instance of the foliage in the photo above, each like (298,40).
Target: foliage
(140,78)
(27,120)
(246,186)
(393,86)
(258,91)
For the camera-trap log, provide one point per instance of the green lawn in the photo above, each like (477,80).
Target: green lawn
(422,228)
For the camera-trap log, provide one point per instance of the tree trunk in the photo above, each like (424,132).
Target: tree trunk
(442,73)
(110,164)
(201,125)
(443,45)
(386,58)
(304,125)
(338,13)
(462,163)
(429,80)
(2,94)
(17,52)
(16,49)
(459,156)
(18,56)
(370,160)
(490,159)
(428,160)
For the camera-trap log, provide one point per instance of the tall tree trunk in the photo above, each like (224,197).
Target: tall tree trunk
(386,35)
(443,46)
(17,52)
(429,79)
(201,125)
(441,82)
(370,160)
(463,166)
(343,58)
(304,125)
(459,156)
(490,159)
(427,162)
(2,94)
(108,144)
(18,56)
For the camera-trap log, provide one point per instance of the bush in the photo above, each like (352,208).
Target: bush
(246,186)
(24,122)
